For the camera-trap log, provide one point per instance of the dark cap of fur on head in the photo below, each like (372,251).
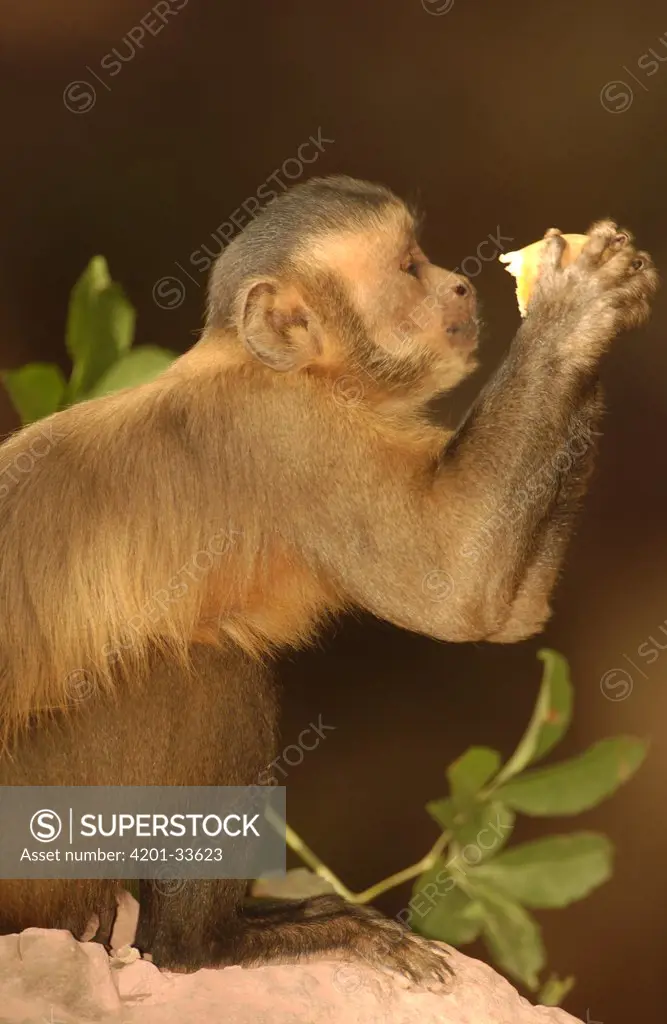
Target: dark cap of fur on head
(314,208)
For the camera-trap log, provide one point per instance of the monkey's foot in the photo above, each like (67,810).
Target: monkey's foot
(287,932)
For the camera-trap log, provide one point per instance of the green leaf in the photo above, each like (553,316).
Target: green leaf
(485,826)
(100,327)
(574,786)
(441,911)
(550,719)
(511,934)
(558,714)
(36,390)
(471,771)
(445,813)
(138,366)
(551,872)
(554,990)
(296,884)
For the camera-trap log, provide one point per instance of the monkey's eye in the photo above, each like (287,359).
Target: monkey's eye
(411,267)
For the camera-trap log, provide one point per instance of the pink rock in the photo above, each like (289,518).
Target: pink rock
(47,977)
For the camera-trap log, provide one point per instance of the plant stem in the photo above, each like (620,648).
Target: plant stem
(296,843)
(406,874)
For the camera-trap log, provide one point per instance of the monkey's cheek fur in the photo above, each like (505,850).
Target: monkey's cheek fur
(524,265)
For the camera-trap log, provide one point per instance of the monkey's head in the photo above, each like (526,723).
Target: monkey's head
(331,280)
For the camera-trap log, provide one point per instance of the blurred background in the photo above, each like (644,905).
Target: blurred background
(141,140)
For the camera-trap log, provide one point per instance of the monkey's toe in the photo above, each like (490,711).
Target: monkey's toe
(424,963)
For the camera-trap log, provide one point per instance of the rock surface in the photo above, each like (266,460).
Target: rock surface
(47,977)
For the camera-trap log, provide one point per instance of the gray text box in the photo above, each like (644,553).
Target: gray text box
(141,831)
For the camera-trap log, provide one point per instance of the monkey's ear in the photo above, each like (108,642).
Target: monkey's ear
(277,326)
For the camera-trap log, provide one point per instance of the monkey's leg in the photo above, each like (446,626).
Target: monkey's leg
(181,921)
(214,725)
(190,924)
(220,728)
(202,923)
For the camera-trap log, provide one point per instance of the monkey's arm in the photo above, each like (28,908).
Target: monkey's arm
(474,554)
(531,608)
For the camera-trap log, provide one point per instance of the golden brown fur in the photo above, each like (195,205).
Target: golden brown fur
(287,468)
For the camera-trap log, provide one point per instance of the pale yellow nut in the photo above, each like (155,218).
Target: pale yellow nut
(524,265)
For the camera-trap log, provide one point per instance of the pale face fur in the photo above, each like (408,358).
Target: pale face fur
(414,312)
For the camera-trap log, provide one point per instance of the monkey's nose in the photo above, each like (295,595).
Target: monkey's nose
(462,287)
(464,296)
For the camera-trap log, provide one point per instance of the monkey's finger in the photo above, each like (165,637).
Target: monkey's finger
(632,297)
(633,303)
(642,275)
(624,264)
(604,239)
(552,251)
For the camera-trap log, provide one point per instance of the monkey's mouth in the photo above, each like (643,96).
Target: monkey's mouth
(464,335)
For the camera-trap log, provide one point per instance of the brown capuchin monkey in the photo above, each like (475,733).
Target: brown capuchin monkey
(286,469)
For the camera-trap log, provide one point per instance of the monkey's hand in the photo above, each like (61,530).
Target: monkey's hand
(606,289)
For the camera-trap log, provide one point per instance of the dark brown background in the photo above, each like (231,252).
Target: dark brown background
(491,114)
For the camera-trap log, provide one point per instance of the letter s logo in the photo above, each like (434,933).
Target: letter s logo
(45,826)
